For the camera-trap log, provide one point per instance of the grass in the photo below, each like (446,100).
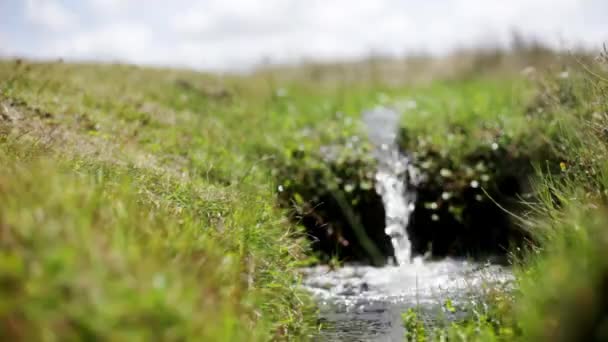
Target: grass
(568,271)
(140,204)
(84,257)
(560,282)
(473,113)
(144,203)
(174,176)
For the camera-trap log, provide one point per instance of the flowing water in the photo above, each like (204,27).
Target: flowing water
(363,303)
(382,124)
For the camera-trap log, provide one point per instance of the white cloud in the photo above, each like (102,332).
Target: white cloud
(108,5)
(235,34)
(119,42)
(5,45)
(50,15)
(291,29)
(216,18)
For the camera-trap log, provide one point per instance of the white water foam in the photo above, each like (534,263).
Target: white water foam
(382,124)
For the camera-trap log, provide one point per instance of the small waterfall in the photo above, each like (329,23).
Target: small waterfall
(382,126)
(365,303)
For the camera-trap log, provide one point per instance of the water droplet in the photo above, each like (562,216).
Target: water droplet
(159,282)
(410,104)
(445,173)
(383,98)
(281,92)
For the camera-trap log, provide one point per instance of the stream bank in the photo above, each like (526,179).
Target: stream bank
(446,223)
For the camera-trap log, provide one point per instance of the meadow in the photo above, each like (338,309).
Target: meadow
(141,203)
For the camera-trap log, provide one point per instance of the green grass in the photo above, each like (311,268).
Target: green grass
(458,120)
(86,254)
(561,278)
(469,111)
(140,203)
(563,284)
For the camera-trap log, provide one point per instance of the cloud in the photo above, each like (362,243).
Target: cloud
(125,42)
(5,44)
(291,29)
(220,19)
(236,34)
(50,15)
(109,5)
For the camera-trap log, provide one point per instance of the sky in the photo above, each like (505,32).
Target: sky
(233,35)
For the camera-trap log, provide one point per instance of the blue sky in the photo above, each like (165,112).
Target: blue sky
(237,34)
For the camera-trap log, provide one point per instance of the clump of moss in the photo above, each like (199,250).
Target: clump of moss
(473,168)
(488,318)
(460,203)
(332,194)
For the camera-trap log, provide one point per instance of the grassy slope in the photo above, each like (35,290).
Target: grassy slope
(138,202)
(561,281)
(135,199)
(563,285)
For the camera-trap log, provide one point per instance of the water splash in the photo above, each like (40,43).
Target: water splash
(382,124)
(364,303)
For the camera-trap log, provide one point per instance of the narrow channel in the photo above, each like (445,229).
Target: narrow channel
(364,303)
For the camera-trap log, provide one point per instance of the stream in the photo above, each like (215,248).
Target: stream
(364,303)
